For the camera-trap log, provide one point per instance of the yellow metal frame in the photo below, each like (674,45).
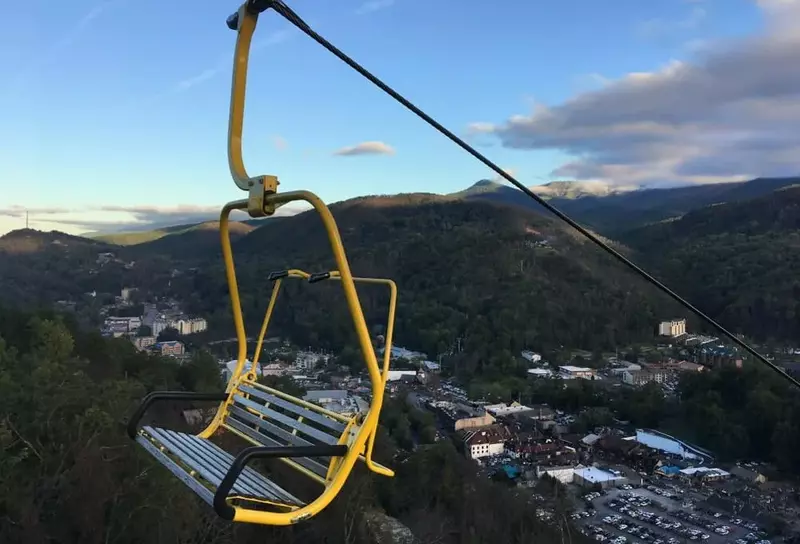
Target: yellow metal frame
(263,199)
(364,435)
(334,275)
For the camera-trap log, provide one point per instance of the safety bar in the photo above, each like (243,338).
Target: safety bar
(278,275)
(156,396)
(228,512)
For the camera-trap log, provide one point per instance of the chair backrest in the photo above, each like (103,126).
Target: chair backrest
(270,418)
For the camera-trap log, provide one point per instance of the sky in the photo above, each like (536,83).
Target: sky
(113,114)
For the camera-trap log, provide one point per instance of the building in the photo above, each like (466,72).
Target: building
(748,475)
(143,342)
(159,326)
(703,474)
(398,375)
(337,400)
(461,416)
(402,353)
(673,328)
(486,442)
(473,422)
(170,348)
(570,372)
(605,478)
(540,373)
(531,357)
(671,445)
(122,325)
(273,369)
(503,409)
(641,377)
(686,366)
(325,396)
(186,325)
(564,474)
(308,360)
(625,367)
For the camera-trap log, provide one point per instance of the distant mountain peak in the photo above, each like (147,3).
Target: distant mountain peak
(578,189)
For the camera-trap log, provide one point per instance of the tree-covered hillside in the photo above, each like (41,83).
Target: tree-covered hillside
(501,279)
(738,261)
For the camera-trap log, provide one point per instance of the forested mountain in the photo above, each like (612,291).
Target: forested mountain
(740,261)
(501,279)
(69,473)
(491,277)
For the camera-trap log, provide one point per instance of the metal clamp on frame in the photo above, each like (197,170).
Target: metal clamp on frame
(258,187)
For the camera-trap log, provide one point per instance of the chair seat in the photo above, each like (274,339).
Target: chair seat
(202,465)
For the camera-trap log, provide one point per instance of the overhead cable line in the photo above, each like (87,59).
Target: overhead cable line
(259,6)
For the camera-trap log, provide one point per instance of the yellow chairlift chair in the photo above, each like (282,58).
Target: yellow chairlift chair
(319,444)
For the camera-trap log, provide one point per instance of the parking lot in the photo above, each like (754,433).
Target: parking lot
(653,515)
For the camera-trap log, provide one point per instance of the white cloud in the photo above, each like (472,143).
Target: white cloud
(113,218)
(731,115)
(365,148)
(280,143)
(657,28)
(373,5)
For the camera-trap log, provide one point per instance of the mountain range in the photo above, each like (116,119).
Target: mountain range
(608,209)
(484,265)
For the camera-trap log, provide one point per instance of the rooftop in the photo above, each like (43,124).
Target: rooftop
(595,475)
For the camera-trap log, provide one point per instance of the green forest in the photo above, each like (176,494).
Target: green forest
(68,472)
(494,278)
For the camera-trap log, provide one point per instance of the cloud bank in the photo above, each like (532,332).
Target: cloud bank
(365,148)
(117,218)
(731,115)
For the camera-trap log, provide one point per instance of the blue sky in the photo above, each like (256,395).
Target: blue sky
(118,109)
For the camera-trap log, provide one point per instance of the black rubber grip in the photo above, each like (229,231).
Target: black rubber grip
(133,422)
(278,274)
(320,276)
(225,510)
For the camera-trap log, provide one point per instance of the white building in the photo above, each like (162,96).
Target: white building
(589,476)
(531,357)
(273,369)
(307,360)
(485,442)
(503,409)
(675,327)
(396,375)
(187,325)
(564,474)
(571,372)
(540,373)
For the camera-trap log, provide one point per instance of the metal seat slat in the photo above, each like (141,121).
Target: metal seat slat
(211,462)
(197,447)
(265,440)
(336,426)
(288,421)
